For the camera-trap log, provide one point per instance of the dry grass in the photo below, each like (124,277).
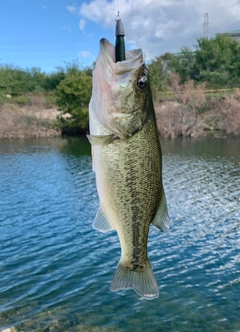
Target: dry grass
(190,114)
(31,120)
(230,109)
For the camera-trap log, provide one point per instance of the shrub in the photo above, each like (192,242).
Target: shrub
(73,96)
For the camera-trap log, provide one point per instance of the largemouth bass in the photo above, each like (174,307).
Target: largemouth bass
(127,161)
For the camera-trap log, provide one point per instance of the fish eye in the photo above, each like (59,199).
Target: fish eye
(142,82)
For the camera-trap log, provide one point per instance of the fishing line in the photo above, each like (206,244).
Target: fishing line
(117,7)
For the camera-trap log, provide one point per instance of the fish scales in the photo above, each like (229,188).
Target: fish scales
(127,161)
(130,182)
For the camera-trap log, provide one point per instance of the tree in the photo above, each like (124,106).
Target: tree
(217,61)
(16,81)
(54,79)
(73,96)
(183,64)
(160,69)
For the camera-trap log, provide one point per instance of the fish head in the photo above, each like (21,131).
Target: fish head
(120,93)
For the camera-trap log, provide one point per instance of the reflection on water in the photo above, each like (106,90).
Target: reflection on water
(55,270)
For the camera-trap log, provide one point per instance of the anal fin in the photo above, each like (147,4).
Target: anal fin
(101,223)
(161,219)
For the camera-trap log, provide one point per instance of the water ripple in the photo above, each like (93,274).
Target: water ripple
(55,270)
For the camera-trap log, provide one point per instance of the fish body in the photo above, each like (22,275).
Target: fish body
(127,161)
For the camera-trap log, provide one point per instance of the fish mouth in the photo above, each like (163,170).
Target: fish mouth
(134,58)
(114,104)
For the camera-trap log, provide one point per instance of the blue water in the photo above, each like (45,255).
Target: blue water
(55,270)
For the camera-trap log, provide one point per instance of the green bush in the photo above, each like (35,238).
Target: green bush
(22,100)
(215,61)
(73,96)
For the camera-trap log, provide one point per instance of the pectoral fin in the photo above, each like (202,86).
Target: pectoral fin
(101,223)
(101,139)
(161,219)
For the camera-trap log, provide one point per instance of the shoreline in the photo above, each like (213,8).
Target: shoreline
(173,120)
(25,122)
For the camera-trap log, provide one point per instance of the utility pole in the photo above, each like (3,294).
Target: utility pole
(205,25)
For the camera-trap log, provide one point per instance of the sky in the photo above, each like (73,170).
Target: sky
(50,33)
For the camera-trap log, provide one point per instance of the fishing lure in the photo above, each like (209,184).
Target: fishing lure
(120,43)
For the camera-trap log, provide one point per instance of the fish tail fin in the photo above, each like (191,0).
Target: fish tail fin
(142,282)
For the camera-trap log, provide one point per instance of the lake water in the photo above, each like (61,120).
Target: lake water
(55,270)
